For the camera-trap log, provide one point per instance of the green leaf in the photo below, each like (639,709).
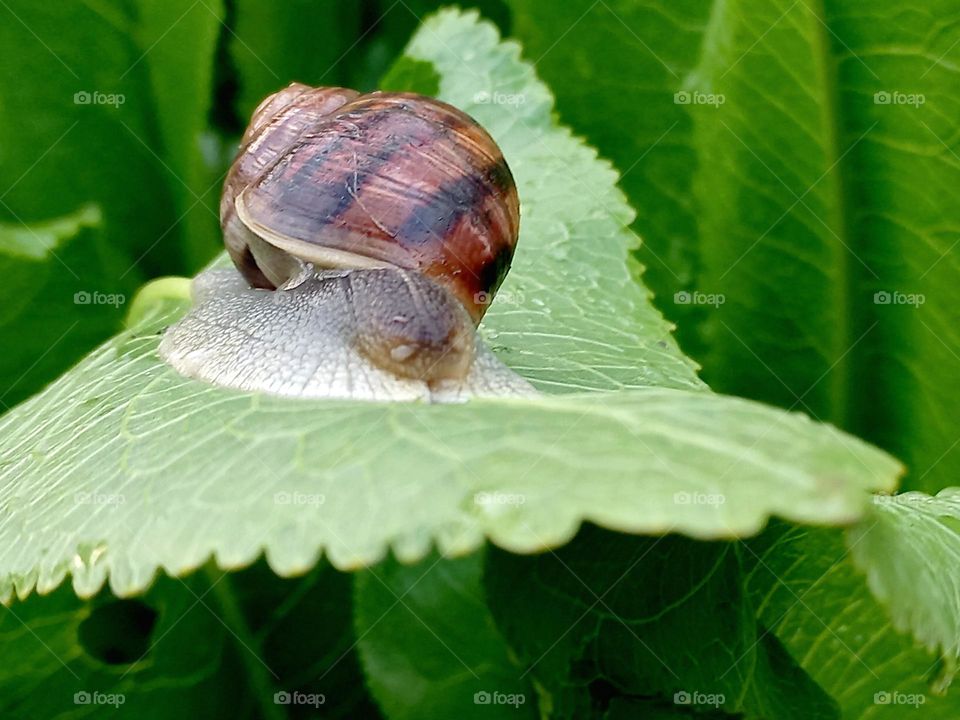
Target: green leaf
(612,617)
(133,658)
(273,44)
(297,638)
(57,298)
(797,198)
(163,297)
(261,636)
(810,594)
(395,23)
(615,67)
(204,470)
(112,129)
(909,548)
(408,75)
(180,37)
(429,645)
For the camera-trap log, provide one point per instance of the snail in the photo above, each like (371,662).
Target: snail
(371,231)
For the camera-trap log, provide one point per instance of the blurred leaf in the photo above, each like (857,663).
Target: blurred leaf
(166,296)
(615,66)
(301,632)
(57,298)
(809,163)
(122,659)
(210,470)
(273,44)
(101,104)
(407,74)
(211,646)
(388,25)
(909,548)
(612,617)
(429,644)
(809,593)
(180,37)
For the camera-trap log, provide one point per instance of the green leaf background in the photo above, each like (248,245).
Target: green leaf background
(798,198)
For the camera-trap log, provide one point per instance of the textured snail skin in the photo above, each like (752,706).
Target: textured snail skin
(299,341)
(380,180)
(408,325)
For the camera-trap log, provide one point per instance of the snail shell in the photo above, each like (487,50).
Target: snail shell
(376,180)
(398,213)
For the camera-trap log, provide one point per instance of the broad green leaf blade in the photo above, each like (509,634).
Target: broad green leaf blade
(123,466)
(210,645)
(667,620)
(615,67)
(119,658)
(273,44)
(797,159)
(429,645)
(810,594)
(179,38)
(96,98)
(909,548)
(55,299)
(145,468)
(298,641)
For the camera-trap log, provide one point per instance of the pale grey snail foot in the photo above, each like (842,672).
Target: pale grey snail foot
(305,340)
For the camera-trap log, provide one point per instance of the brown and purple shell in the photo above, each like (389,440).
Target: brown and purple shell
(342,180)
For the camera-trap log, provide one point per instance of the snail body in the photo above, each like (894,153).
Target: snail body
(397,210)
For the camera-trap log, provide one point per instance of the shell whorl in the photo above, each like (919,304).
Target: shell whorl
(384,179)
